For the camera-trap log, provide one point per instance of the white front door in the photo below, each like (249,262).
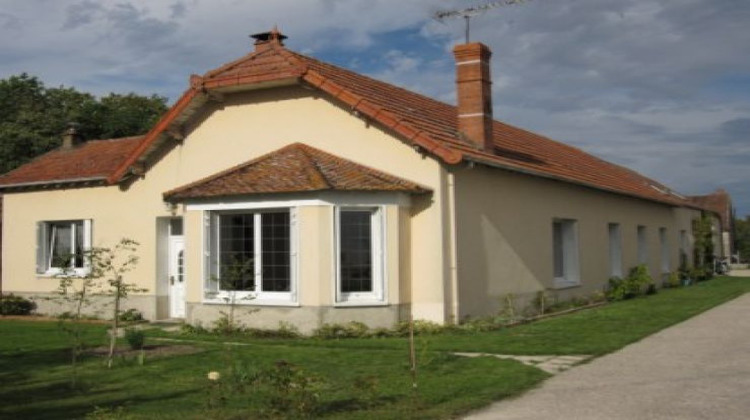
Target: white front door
(176,277)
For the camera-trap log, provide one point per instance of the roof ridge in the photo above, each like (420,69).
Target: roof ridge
(317,173)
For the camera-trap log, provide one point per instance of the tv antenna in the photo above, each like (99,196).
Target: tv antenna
(470,12)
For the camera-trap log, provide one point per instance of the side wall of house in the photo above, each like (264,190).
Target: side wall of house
(243,127)
(505,236)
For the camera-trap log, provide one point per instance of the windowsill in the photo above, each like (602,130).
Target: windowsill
(249,300)
(359,303)
(58,274)
(562,283)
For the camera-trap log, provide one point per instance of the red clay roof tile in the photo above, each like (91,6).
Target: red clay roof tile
(293,168)
(717,202)
(416,119)
(91,161)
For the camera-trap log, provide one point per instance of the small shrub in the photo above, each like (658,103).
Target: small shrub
(131,315)
(226,325)
(193,329)
(636,283)
(673,280)
(16,305)
(351,329)
(135,338)
(421,327)
(290,391)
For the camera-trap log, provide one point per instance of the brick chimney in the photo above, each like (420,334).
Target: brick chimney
(474,91)
(264,40)
(70,137)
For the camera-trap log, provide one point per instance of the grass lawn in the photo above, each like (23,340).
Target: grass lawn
(354,378)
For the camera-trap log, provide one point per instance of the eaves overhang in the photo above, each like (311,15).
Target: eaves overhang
(54,183)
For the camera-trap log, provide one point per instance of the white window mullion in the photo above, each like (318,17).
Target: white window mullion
(293,250)
(258,251)
(52,240)
(73,244)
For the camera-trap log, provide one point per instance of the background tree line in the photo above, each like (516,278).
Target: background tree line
(33,117)
(742,237)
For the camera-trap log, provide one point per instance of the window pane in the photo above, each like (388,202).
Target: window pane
(356,251)
(61,245)
(275,252)
(557,243)
(175,227)
(236,260)
(78,257)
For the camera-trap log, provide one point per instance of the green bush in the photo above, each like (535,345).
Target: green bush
(16,305)
(135,338)
(351,329)
(131,315)
(635,284)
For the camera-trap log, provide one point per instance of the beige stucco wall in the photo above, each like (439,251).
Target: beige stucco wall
(244,127)
(504,230)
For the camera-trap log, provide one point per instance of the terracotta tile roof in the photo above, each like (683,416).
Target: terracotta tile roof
(92,161)
(431,125)
(293,168)
(422,122)
(717,202)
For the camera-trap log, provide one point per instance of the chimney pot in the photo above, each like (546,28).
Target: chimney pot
(265,40)
(70,136)
(474,91)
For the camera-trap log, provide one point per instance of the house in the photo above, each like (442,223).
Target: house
(320,195)
(719,203)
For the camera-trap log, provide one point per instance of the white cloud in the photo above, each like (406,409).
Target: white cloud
(660,85)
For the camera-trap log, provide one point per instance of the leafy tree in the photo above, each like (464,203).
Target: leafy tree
(33,117)
(742,237)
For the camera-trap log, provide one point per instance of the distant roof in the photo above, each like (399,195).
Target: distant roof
(293,168)
(718,202)
(87,163)
(424,123)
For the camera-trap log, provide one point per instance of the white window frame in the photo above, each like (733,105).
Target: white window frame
(664,250)
(615,249)
(44,248)
(211,289)
(642,243)
(570,254)
(377,296)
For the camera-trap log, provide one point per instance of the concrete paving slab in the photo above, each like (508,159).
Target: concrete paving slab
(699,369)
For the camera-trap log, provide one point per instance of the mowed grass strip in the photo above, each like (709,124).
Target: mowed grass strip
(35,374)
(34,365)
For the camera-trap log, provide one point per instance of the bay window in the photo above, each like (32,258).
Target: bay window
(250,255)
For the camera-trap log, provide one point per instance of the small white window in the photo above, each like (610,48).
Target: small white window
(664,248)
(642,245)
(62,246)
(615,250)
(565,253)
(359,256)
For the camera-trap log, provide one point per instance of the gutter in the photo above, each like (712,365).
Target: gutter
(53,182)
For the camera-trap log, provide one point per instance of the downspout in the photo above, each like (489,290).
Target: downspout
(453,246)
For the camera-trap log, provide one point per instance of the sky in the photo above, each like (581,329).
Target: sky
(660,86)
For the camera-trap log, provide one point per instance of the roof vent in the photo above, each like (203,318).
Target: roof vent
(264,40)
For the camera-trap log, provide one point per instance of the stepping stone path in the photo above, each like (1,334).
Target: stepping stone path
(550,364)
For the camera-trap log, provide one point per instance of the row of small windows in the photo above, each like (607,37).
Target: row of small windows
(565,250)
